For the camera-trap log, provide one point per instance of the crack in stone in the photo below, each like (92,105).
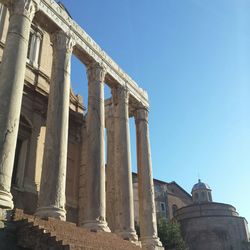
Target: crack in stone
(8,131)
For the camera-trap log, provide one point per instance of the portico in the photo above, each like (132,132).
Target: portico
(128,100)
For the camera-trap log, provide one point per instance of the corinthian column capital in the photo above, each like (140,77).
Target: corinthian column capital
(62,41)
(141,114)
(120,94)
(96,72)
(22,7)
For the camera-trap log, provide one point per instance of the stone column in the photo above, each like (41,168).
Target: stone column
(12,73)
(51,202)
(95,210)
(110,169)
(147,213)
(124,188)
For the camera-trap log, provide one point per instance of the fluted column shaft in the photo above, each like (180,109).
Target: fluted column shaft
(52,190)
(12,73)
(95,210)
(147,213)
(122,161)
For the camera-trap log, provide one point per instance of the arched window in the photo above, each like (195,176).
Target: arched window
(174,209)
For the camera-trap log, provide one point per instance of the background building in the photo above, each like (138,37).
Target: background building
(169,196)
(205,225)
(210,225)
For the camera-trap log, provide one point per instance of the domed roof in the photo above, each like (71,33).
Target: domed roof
(200,185)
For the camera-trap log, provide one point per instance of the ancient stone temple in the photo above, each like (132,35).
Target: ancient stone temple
(52,150)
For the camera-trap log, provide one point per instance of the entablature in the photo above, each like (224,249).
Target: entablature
(86,49)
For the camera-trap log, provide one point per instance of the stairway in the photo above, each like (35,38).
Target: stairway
(52,234)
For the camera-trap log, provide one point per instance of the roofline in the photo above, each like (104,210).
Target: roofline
(173,182)
(163,182)
(208,203)
(168,183)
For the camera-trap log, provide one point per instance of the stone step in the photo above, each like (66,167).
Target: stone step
(35,233)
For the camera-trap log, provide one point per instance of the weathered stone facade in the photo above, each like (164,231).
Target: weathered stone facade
(52,151)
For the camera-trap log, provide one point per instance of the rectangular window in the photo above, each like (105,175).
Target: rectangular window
(163,207)
(3,12)
(34,47)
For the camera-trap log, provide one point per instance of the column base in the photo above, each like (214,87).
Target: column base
(6,200)
(128,235)
(151,243)
(54,212)
(96,226)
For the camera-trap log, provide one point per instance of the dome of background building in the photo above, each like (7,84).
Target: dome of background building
(201,192)
(200,185)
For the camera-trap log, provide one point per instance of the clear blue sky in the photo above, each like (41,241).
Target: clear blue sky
(193,58)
